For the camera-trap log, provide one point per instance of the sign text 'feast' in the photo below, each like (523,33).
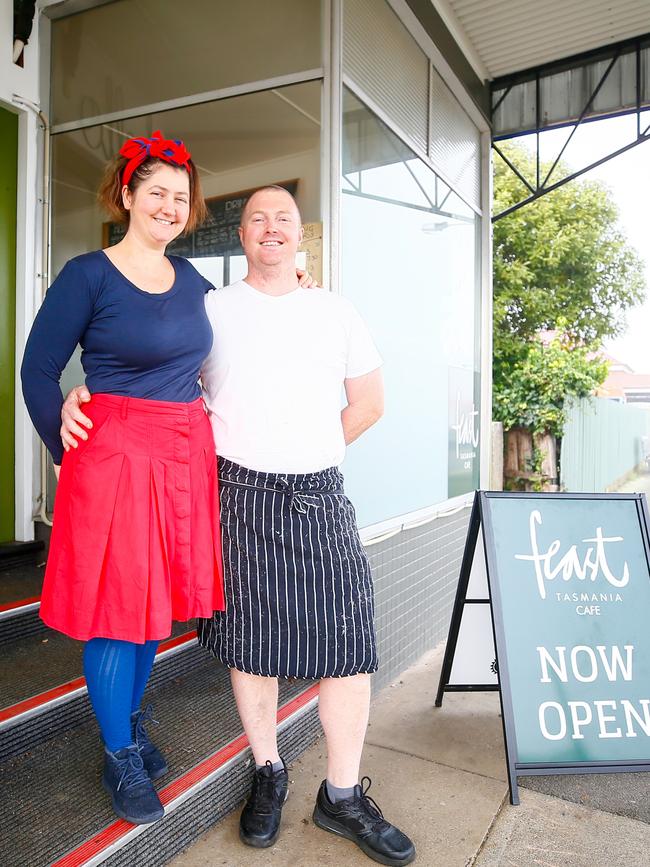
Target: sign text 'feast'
(589,565)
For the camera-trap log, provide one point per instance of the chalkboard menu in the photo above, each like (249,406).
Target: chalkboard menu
(217,236)
(568,582)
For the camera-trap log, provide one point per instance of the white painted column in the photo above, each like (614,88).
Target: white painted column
(28,296)
(486,309)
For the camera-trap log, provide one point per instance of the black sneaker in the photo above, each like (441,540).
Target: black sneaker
(359,819)
(259,824)
(132,792)
(154,761)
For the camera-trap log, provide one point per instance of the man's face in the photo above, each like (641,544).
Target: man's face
(271,232)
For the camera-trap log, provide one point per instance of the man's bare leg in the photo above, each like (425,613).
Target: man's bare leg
(344,705)
(257,703)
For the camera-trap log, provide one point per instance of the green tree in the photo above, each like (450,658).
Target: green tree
(561,264)
(534,395)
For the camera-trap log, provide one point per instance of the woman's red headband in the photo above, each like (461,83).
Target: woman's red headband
(137,150)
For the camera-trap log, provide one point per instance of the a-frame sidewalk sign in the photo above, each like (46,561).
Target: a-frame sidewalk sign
(552,610)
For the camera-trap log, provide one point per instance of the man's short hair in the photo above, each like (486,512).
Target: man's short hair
(261,190)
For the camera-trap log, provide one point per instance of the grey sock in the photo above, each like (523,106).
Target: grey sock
(277,766)
(336,793)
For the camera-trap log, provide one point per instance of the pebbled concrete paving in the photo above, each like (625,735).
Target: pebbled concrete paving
(432,809)
(620,794)
(465,733)
(638,484)
(440,775)
(437,773)
(544,831)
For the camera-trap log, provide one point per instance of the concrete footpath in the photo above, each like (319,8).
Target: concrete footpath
(638,484)
(440,775)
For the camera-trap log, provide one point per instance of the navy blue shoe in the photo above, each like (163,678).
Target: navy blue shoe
(154,761)
(132,792)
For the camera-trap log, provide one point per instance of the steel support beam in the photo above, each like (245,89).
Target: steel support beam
(542,187)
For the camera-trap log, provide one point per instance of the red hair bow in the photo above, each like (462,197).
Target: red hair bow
(137,150)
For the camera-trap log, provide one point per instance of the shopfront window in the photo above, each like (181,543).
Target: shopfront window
(410,264)
(237,144)
(126,54)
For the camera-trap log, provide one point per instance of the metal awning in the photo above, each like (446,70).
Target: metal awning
(554,63)
(603,83)
(501,37)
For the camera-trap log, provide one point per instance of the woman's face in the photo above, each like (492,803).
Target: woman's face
(160,205)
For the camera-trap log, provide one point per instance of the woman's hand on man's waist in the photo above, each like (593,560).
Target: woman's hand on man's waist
(73,422)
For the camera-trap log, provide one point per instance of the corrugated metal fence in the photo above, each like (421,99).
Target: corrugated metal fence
(602,442)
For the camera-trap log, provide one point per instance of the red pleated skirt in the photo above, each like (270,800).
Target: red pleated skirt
(135,542)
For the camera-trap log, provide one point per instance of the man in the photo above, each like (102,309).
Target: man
(297,580)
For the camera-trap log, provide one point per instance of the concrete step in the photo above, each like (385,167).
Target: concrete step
(54,811)
(20,597)
(18,554)
(19,619)
(37,700)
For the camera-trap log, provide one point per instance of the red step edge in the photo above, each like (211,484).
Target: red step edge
(64,689)
(21,602)
(112,833)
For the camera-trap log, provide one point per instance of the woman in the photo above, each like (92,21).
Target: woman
(135,542)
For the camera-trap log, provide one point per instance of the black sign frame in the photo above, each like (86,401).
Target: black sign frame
(480,518)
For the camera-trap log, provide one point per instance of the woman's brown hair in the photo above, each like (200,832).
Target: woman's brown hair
(109,194)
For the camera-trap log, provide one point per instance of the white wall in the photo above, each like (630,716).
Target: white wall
(28,293)
(21,90)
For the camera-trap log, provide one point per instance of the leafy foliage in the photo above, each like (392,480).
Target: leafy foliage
(562,265)
(534,395)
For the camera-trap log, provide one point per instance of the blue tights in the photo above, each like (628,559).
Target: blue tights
(117,673)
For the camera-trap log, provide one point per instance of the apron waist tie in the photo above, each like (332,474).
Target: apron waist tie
(301,501)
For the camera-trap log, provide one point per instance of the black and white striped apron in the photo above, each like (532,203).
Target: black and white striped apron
(299,597)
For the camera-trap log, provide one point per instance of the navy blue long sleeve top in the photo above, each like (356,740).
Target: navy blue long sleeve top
(134,343)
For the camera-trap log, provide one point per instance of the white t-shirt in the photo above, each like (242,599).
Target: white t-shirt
(272,382)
